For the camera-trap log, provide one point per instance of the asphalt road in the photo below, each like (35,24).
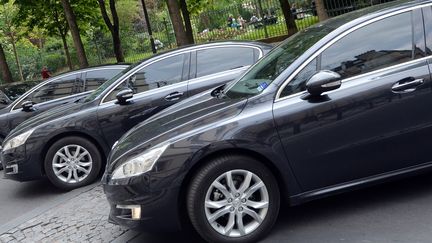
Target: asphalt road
(394,212)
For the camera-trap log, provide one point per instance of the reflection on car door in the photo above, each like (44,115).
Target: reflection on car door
(378,121)
(156,87)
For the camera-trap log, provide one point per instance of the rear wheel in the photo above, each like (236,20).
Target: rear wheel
(72,162)
(233,199)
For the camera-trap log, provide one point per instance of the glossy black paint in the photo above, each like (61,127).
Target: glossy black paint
(14,114)
(104,121)
(366,132)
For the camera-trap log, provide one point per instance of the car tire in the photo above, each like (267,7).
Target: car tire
(213,210)
(72,162)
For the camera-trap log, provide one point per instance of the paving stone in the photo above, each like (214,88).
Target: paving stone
(82,219)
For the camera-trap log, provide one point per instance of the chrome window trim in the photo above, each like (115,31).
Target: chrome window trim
(334,40)
(362,75)
(24,96)
(175,53)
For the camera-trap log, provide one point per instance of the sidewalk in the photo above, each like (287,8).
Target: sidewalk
(80,219)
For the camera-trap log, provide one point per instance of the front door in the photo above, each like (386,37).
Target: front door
(377,122)
(156,86)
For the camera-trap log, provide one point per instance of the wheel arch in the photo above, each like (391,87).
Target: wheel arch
(283,189)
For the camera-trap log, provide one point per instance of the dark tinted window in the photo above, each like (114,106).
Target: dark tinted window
(56,89)
(216,60)
(378,45)
(159,74)
(94,79)
(428,25)
(298,84)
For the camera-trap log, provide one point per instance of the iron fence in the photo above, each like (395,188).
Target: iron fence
(249,20)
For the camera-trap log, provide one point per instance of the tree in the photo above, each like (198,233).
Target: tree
(320,7)
(289,18)
(47,16)
(114,27)
(71,19)
(187,22)
(7,13)
(177,22)
(6,73)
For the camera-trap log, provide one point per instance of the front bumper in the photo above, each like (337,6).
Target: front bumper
(21,164)
(159,209)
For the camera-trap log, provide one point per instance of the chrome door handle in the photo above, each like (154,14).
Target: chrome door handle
(407,86)
(174,96)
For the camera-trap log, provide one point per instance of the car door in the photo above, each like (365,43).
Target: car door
(54,93)
(427,14)
(214,66)
(377,122)
(156,85)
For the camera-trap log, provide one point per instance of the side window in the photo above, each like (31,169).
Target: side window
(428,27)
(94,79)
(214,60)
(298,84)
(381,44)
(56,89)
(156,75)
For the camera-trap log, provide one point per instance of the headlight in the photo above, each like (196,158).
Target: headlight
(17,140)
(139,164)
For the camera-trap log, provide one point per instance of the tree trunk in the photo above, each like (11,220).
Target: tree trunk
(114,28)
(176,19)
(6,73)
(67,53)
(289,18)
(16,58)
(73,26)
(186,18)
(322,13)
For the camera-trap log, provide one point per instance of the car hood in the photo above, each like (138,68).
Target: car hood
(181,119)
(49,115)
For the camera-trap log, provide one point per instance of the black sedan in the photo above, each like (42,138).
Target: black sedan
(339,106)
(69,144)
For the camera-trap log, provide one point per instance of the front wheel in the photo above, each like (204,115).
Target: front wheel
(233,199)
(72,162)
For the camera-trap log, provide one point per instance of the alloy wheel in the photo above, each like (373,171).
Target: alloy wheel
(72,164)
(236,203)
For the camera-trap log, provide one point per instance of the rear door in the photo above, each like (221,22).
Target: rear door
(214,66)
(377,122)
(156,86)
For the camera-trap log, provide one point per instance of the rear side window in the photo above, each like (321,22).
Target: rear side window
(378,45)
(214,60)
(96,78)
(428,26)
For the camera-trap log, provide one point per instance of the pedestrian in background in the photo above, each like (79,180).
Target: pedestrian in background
(45,73)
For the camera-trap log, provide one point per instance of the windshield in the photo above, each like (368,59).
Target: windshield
(105,85)
(273,64)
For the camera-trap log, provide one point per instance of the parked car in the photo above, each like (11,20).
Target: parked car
(61,89)
(70,144)
(16,89)
(339,106)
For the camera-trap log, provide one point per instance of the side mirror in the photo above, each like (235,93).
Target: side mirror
(27,106)
(124,95)
(323,81)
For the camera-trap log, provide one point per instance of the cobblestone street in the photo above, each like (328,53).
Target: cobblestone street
(83,219)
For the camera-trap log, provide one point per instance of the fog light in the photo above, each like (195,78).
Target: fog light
(135,210)
(11,169)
